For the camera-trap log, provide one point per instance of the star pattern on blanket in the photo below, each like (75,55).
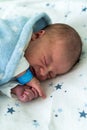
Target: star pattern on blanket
(84,9)
(84,25)
(52,4)
(56,115)
(10,110)
(60,110)
(83,114)
(67,14)
(85,39)
(35,123)
(59,113)
(17,104)
(47,4)
(58,86)
(86,105)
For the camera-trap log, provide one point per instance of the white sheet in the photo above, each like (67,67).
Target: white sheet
(66,104)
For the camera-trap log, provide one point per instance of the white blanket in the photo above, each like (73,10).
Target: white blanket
(66,104)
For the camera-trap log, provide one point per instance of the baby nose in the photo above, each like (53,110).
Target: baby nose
(43,72)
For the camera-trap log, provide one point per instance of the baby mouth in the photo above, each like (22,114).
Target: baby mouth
(34,73)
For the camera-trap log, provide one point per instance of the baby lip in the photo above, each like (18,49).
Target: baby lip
(34,72)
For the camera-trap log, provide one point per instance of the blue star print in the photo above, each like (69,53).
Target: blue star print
(56,115)
(10,110)
(47,4)
(35,123)
(84,9)
(60,110)
(58,86)
(83,114)
(17,104)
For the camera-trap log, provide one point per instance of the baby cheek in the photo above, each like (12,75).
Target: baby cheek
(43,73)
(42,78)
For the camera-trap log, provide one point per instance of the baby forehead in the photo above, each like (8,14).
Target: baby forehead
(59,47)
(59,53)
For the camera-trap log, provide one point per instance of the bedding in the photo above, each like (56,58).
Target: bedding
(66,104)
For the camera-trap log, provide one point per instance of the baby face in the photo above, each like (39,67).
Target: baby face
(46,60)
(49,65)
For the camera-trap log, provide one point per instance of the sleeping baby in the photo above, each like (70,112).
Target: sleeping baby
(51,51)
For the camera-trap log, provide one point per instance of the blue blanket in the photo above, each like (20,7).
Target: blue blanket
(14,35)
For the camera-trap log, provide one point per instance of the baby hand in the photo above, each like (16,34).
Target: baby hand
(34,83)
(28,95)
(25,93)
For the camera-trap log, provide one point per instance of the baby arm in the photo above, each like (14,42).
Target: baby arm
(30,87)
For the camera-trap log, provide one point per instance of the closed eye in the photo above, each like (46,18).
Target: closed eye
(45,61)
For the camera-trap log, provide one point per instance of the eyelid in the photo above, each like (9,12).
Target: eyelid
(45,61)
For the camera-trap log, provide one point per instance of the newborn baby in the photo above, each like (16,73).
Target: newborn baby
(52,51)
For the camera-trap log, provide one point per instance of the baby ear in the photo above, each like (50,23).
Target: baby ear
(38,35)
